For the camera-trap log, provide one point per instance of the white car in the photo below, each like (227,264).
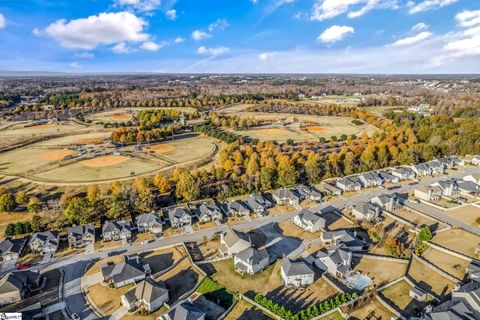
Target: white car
(144,242)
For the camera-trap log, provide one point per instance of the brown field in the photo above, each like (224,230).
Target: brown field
(121,116)
(161,148)
(56,155)
(315,128)
(467,214)
(416,218)
(381,272)
(104,161)
(429,280)
(245,311)
(273,131)
(289,229)
(107,299)
(446,262)
(459,241)
(6,218)
(398,294)
(371,310)
(85,141)
(262,282)
(46,126)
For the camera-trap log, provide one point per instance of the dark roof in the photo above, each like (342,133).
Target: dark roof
(17,280)
(46,237)
(122,225)
(148,218)
(307,215)
(80,231)
(237,206)
(125,270)
(146,290)
(12,246)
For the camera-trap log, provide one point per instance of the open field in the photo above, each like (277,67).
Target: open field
(289,229)
(429,280)
(467,214)
(416,218)
(245,311)
(459,241)
(381,272)
(125,114)
(398,295)
(448,263)
(43,161)
(20,129)
(371,310)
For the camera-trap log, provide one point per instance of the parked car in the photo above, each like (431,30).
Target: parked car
(414,201)
(116,253)
(23,266)
(145,242)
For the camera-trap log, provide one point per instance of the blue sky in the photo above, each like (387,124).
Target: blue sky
(262,36)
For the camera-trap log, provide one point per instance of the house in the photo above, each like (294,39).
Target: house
(449,162)
(237,208)
(387,202)
(337,237)
(179,217)
(149,222)
(130,270)
(233,241)
(209,212)
(387,177)
(436,166)
(251,260)
(430,193)
(418,294)
(184,311)
(421,169)
(296,273)
(476,160)
(286,197)
(475,178)
(44,242)
(337,261)
(449,187)
(14,286)
(473,270)
(309,221)
(11,249)
(146,295)
(259,204)
(464,303)
(365,211)
(309,193)
(347,184)
(403,173)
(468,187)
(370,179)
(117,230)
(332,190)
(80,236)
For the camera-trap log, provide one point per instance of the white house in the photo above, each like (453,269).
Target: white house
(233,242)
(309,193)
(476,160)
(11,249)
(296,273)
(286,197)
(422,169)
(80,236)
(209,212)
(436,166)
(449,187)
(347,184)
(149,222)
(309,221)
(123,273)
(336,261)
(387,177)
(475,178)
(44,242)
(146,295)
(403,173)
(430,193)
(117,230)
(259,204)
(365,211)
(237,208)
(251,260)
(370,179)
(387,202)
(179,217)
(338,237)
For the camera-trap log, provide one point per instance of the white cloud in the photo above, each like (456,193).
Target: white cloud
(141,5)
(468,18)
(200,35)
(121,48)
(171,14)
(253,1)
(179,40)
(212,51)
(264,56)
(75,65)
(151,46)
(420,26)
(102,29)
(335,33)
(220,24)
(428,5)
(413,40)
(3,21)
(327,9)
(85,55)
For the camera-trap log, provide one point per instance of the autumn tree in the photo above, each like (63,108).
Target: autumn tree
(187,188)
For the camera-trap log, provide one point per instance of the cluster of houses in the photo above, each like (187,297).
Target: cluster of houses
(468,185)
(371,210)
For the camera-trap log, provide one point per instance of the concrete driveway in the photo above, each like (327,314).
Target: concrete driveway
(119,313)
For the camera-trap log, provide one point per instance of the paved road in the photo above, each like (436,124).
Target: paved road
(75,266)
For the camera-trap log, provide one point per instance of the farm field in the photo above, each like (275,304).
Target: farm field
(429,280)
(459,241)
(467,214)
(448,263)
(381,272)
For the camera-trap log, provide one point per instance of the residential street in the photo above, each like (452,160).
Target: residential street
(74,266)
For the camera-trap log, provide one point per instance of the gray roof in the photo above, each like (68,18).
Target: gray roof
(125,270)
(12,246)
(186,311)
(366,208)
(459,307)
(178,213)
(306,191)
(343,236)
(46,237)
(296,267)
(208,210)
(237,206)
(148,218)
(80,231)
(286,194)
(120,226)
(17,280)
(252,256)
(468,186)
(258,201)
(146,290)
(232,236)
(340,256)
(314,218)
